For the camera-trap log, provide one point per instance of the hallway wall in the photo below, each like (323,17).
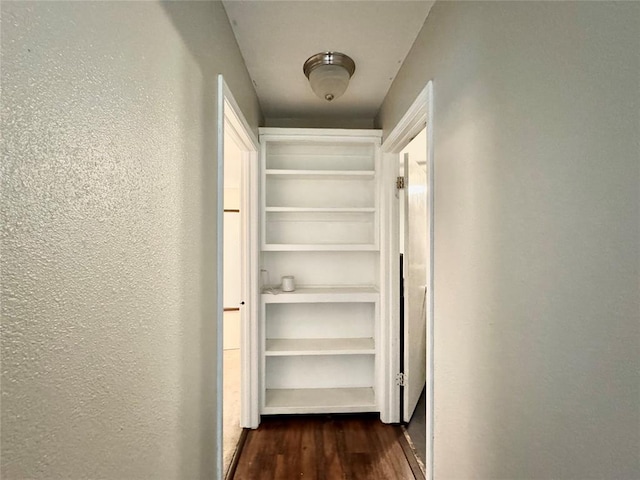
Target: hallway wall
(536,235)
(108,236)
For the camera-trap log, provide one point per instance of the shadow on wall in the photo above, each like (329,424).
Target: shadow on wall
(195,24)
(206,33)
(214,47)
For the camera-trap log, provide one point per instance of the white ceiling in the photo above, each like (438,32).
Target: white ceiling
(276,37)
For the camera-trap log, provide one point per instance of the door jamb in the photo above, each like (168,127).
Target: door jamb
(229,114)
(419,114)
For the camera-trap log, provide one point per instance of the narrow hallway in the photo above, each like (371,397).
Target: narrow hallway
(326,447)
(112,229)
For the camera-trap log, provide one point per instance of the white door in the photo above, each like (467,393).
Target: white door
(416,257)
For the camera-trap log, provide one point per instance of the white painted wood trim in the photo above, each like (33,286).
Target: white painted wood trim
(287,134)
(411,123)
(319,346)
(238,120)
(320,400)
(322,209)
(346,137)
(430,418)
(250,411)
(314,247)
(364,294)
(219,275)
(387,362)
(389,398)
(419,114)
(328,174)
(263,194)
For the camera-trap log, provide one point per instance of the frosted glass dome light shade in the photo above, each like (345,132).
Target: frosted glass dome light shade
(329,74)
(329,81)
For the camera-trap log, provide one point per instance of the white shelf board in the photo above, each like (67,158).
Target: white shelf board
(322,209)
(319,400)
(332,135)
(319,346)
(322,174)
(324,295)
(315,247)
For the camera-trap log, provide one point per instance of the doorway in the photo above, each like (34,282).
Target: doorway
(233,279)
(414,258)
(419,115)
(237,247)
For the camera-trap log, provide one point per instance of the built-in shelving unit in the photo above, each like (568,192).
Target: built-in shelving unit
(320,223)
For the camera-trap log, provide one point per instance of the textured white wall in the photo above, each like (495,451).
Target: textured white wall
(537,315)
(108,236)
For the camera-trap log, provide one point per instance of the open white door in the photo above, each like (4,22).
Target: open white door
(416,268)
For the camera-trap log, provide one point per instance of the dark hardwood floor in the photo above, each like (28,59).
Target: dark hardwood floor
(325,447)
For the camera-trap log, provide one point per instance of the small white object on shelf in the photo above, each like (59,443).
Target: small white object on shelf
(288,284)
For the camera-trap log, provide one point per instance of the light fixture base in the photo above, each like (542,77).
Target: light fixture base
(329,74)
(329,58)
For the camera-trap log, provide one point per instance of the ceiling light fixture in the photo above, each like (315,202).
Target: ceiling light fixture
(329,74)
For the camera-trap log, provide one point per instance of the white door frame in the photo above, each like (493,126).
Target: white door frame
(414,120)
(229,115)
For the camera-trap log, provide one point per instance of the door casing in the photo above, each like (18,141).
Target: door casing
(419,115)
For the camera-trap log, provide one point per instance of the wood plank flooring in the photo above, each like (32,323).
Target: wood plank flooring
(324,447)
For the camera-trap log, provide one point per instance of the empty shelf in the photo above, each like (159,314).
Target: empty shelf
(324,294)
(319,346)
(319,400)
(322,174)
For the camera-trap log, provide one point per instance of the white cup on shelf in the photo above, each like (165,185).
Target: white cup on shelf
(288,283)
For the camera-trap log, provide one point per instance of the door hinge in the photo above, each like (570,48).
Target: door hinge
(401,379)
(400,183)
